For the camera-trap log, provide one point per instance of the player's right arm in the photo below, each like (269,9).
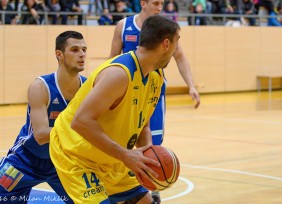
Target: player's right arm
(107,93)
(116,47)
(38,99)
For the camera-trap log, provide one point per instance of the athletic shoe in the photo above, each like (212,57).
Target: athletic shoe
(156,197)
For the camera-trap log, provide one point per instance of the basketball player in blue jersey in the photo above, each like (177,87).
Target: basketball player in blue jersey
(93,139)
(126,38)
(28,162)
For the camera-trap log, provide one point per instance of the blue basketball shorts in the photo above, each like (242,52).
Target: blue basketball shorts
(157,121)
(20,170)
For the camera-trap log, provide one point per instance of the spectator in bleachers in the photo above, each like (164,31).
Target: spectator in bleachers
(217,6)
(170,12)
(175,4)
(100,5)
(33,8)
(53,6)
(120,7)
(106,18)
(232,7)
(9,18)
(273,20)
(16,4)
(71,6)
(248,8)
(199,7)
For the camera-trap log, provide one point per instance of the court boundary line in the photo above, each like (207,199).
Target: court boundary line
(233,171)
(190,188)
(238,120)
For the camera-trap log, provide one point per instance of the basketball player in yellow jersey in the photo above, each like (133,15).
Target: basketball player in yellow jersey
(92,142)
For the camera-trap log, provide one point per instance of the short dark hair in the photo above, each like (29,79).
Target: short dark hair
(63,37)
(155,29)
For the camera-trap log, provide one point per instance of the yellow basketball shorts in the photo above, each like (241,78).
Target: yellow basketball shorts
(86,182)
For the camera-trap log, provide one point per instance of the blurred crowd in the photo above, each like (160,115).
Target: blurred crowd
(109,12)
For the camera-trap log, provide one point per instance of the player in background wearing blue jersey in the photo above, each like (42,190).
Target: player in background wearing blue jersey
(28,162)
(126,38)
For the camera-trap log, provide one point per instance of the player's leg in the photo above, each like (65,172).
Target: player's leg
(125,188)
(157,121)
(17,176)
(82,185)
(80,182)
(136,195)
(57,186)
(156,197)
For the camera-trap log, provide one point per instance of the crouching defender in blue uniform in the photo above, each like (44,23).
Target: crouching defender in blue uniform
(28,162)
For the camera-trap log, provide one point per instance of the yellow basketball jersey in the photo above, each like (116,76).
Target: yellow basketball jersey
(122,124)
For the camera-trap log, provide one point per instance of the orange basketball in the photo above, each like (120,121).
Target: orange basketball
(168,171)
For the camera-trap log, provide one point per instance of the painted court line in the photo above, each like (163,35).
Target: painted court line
(239,120)
(190,187)
(233,171)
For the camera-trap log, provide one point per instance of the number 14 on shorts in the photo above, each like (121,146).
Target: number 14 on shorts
(93,179)
(93,184)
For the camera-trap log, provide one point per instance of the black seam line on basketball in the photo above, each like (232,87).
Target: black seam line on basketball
(173,158)
(166,179)
(164,187)
(169,183)
(154,181)
(175,168)
(175,165)
(160,163)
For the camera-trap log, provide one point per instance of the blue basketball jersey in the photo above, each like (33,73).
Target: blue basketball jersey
(130,34)
(56,104)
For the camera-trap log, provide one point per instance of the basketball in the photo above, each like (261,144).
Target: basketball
(168,170)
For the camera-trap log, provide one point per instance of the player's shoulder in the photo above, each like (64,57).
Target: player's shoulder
(47,77)
(120,24)
(42,81)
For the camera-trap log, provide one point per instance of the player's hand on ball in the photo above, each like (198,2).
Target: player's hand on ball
(137,163)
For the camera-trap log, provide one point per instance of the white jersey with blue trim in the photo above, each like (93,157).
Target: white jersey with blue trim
(56,104)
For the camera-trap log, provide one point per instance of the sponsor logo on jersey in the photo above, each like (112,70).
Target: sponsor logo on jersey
(131,38)
(9,176)
(153,87)
(153,100)
(54,114)
(132,141)
(56,101)
(136,87)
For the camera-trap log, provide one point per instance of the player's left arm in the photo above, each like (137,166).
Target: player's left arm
(145,137)
(185,71)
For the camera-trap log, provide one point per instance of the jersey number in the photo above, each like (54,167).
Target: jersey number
(93,179)
(141,120)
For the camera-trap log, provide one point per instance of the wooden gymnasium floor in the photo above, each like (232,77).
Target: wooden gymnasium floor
(230,149)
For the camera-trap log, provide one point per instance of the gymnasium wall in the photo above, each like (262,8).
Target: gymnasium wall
(222,59)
